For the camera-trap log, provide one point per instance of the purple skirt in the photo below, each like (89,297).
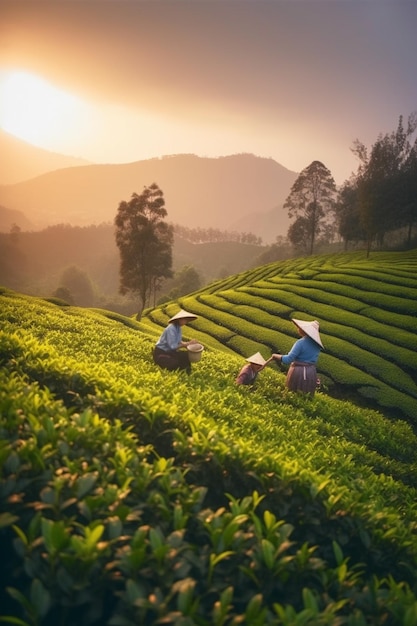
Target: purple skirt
(302,377)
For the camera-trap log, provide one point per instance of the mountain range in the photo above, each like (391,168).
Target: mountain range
(20,160)
(242,192)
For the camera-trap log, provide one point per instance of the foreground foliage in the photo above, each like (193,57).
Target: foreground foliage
(132,496)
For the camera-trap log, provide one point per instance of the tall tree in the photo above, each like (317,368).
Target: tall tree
(407,191)
(347,212)
(311,201)
(145,243)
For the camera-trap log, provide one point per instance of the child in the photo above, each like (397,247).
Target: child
(249,372)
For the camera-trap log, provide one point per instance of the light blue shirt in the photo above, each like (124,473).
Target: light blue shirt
(304,349)
(170,338)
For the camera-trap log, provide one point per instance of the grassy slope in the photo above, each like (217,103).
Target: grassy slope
(367,311)
(330,469)
(79,352)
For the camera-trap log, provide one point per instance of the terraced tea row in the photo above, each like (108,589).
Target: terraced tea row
(132,495)
(367,310)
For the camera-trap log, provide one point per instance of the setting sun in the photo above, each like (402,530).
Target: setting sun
(36,111)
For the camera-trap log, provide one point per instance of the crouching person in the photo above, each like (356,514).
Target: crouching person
(249,372)
(167,352)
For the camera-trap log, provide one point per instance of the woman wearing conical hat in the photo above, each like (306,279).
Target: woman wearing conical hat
(302,358)
(250,371)
(167,353)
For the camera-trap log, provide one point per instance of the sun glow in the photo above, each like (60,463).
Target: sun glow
(36,111)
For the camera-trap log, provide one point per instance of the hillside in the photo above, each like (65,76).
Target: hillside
(131,495)
(241,192)
(367,309)
(33,262)
(10,218)
(20,160)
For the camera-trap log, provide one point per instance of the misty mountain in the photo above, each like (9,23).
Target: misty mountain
(241,192)
(10,218)
(20,160)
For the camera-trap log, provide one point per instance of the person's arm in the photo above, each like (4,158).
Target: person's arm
(184,344)
(292,355)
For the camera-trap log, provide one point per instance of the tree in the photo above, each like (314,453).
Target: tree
(145,244)
(14,233)
(407,191)
(311,202)
(278,251)
(347,211)
(299,234)
(185,281)
(77,282)
(385,182)
(63,293)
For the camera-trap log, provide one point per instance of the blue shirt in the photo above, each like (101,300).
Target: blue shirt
(304,349)
(171,338)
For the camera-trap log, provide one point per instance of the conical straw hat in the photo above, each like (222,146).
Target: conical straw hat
(311,329)
(181,315)
(257,358)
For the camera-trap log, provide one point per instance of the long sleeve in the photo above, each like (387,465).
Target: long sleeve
(305,350)
(170,338)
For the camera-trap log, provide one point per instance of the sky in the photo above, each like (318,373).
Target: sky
(117,81)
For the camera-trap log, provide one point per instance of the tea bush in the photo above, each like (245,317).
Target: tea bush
(366,311)
(133,495)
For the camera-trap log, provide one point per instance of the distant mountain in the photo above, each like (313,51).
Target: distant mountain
(241,191)
(267,224)
(20,160)
(10,218)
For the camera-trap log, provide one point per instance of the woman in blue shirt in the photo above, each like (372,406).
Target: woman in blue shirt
(167,353)
(302,358)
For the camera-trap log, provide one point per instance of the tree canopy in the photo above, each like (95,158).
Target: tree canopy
(382,196)
(311,201)
(77,287)
(145,243)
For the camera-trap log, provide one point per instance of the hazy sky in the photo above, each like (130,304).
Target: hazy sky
(295,80)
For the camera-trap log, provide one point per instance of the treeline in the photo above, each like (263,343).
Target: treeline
(381,198)
(81,265)
(376,207)
(214,235)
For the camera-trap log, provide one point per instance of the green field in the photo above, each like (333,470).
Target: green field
(367,309)
(131,495)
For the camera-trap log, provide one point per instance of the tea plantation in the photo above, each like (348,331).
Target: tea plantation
(367,309)
(131,495)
